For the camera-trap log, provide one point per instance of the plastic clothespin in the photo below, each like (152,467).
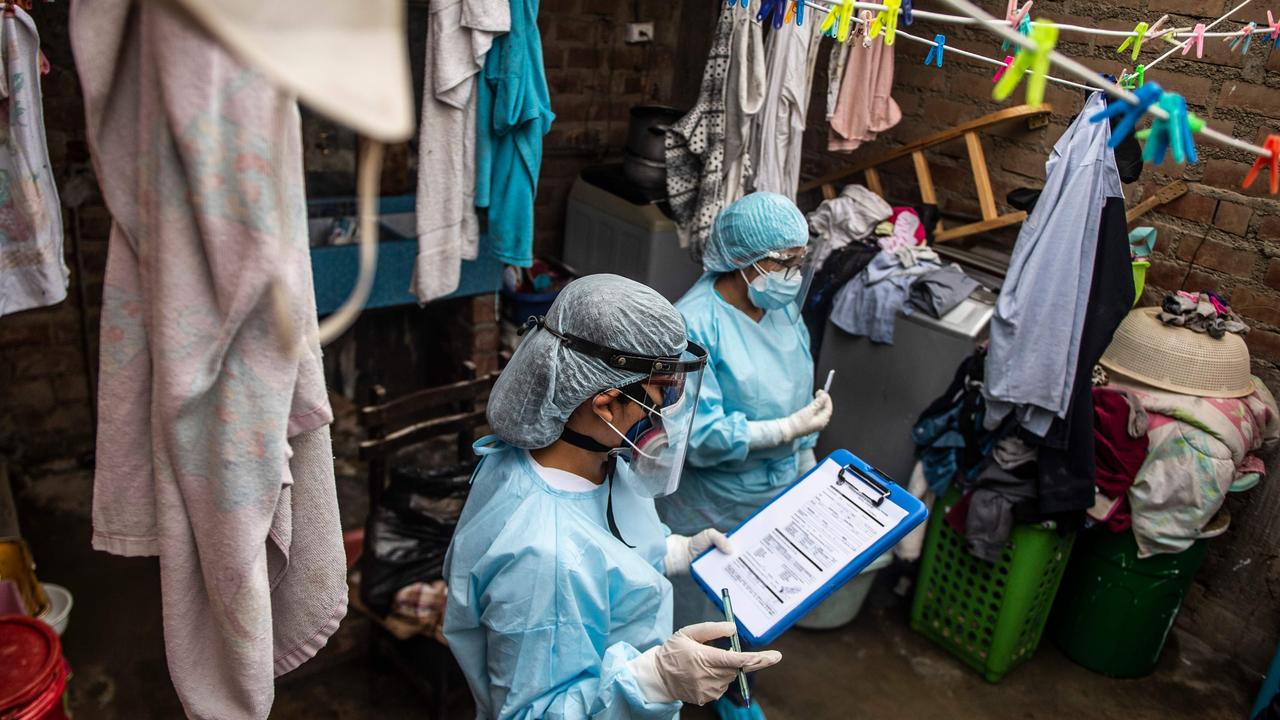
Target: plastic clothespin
(1129,115)
(935,52)
(1197,38)
(1172,134)
(772,9)
(1271,162)
(1024,28)
(831,22)
(1275,29)
(1157,28)
(866,20)
(1245,35)
(906,12)
(1008,60)
(886,21)
(1139,34)
(1015,15)
(1193,120)
(1131,80)
(1045,36)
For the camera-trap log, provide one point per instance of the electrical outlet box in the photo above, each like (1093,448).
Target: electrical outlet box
(639,32)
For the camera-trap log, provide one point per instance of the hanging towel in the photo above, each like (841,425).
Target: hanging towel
(865,107)
(744,100)
(32,271)
(513,113)
(1039,318)
(460,33)
(779,130)
(215,451)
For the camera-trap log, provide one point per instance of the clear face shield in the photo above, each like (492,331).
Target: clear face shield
(656,446)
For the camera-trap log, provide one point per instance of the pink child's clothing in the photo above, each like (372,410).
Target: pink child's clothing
(865,106)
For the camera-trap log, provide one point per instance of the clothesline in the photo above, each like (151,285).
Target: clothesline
(962,20)
(1095,80)
(1075,67)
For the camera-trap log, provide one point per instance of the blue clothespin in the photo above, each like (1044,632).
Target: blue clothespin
(906,12)
(1245,34)
(1172,134)
(777,9)
(1148,95)
(935,52)
(1024,29)
(799,13)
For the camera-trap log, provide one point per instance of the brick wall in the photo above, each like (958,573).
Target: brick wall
(1218,236)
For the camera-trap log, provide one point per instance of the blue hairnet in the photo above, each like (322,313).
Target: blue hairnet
(546,381)
(751,228)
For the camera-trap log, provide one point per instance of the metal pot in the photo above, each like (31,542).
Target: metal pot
(646,133)
(644,173)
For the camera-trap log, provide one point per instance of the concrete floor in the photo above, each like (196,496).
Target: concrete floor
(873,669)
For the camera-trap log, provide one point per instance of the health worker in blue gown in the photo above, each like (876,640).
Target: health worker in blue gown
(757,415)
(559,603)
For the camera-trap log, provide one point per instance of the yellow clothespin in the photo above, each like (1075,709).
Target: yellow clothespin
(1139,34)
(886,21)
(842,15)
(1045,36)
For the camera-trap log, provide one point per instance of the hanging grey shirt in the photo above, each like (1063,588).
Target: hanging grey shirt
(1035,333)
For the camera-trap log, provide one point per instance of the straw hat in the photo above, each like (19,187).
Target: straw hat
(1178,359)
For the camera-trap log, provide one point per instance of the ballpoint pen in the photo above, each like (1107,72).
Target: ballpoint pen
(737,646)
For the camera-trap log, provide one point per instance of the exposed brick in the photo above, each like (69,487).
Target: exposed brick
(1233,217)
(1166,275)
(1217,256)
(584,58)
(1264,345)
(1273,273)
(574,30)
(1250,97)
(1191,206)
(1255,305)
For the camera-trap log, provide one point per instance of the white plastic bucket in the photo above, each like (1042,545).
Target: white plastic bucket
(844,604)
(60,603)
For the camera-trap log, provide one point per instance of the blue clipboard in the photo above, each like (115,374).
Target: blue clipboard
(875,488)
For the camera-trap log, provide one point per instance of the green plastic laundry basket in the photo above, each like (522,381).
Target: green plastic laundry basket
(989,616)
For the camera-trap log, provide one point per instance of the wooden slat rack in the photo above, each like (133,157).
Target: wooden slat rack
(1035,116)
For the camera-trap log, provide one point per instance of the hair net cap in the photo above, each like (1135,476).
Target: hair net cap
(751,228)
(546,381)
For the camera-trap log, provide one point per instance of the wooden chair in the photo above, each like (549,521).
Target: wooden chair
(390,425)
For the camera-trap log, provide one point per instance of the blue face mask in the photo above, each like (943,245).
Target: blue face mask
(773,290)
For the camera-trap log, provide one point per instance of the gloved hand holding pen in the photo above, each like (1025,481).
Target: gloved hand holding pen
(684,668)
(808,419)
(681,550)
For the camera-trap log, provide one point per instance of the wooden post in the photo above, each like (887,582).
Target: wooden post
(978,161)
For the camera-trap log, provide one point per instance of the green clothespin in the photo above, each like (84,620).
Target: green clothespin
(1193,120)
(1135,79)
(1139,34)
(1045,36)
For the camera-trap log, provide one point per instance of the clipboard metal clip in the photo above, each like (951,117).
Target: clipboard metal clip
(881,492)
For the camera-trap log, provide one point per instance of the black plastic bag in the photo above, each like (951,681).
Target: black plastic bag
(408,533)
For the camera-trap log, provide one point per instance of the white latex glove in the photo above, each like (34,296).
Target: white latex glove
(681,550)
(811,418)
(685,669)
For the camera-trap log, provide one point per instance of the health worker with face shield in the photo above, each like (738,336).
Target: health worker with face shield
(559,603)
(757,415)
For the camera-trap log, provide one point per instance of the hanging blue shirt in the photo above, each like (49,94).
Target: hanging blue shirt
(546,607)
(513,113)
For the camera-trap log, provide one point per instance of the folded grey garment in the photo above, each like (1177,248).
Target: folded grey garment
(852,215)
(939,292)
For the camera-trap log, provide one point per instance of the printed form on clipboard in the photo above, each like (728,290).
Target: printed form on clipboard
(812,538)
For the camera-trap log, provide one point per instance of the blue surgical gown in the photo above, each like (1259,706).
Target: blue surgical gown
(755,371)
(546,608)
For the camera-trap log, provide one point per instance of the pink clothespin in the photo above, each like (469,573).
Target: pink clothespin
(1157,28)
(1013,15)
(1008,60)
(1275,29)
(1197,37)
(1245,35)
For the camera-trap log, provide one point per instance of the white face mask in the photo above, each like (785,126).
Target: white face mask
(773,290)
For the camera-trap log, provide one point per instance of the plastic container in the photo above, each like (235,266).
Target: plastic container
(60,602)
(33,675)
(1115,611)
(844,604)
(989,616)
